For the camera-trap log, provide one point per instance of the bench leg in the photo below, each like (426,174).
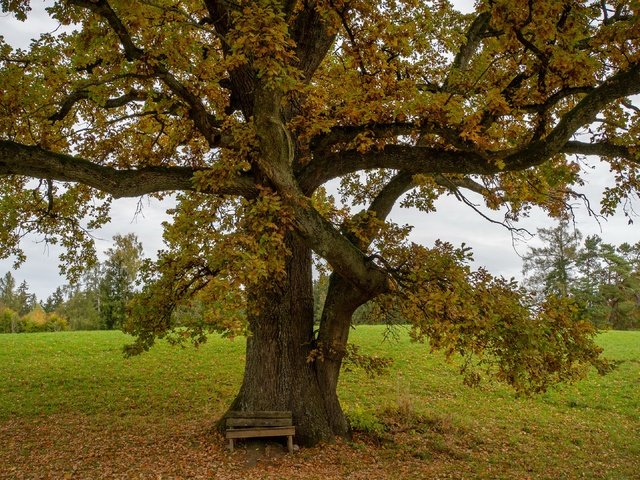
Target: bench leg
(290,443)
(231,445)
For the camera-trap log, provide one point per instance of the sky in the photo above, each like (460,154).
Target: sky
(493,245)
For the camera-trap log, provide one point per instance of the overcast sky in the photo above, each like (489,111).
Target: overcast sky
(493,245)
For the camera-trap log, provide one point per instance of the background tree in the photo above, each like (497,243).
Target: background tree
(26,301)
(118,275)
(617,302)
(80,309)
(590,278)
(19,299)
(7,292)
(54,301)
(550,269)
(602,279)
(250,108)
(37,320)
(82,304)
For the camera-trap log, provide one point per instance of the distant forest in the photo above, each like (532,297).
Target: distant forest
(602,280)
(98,301)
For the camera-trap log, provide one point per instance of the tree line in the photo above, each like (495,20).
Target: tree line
(97,301)
(602,280)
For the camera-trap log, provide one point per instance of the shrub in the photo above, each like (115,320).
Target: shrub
(37,320)
(10,321)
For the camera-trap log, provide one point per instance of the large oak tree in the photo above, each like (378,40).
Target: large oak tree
(249,108)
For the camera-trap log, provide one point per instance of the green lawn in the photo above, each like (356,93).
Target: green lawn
(71,405)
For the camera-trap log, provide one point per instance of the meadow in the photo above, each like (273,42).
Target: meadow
(71,406)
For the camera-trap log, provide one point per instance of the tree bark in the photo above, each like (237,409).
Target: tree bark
(342,301)
(278,374)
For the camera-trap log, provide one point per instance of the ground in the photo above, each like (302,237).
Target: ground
(72,407)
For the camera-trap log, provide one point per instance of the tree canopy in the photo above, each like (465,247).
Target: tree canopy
(251,108)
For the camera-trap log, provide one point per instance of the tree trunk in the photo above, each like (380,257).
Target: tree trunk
(342,301)
(278,375)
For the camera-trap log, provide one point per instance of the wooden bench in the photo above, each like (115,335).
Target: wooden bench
(260,424)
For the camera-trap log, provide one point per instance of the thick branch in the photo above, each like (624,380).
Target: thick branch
(78,95)
(343,297)
(203,120)
(274,162)
(475,34)
(241,79)
(554,99)
(381,208)
(409,158)
(602,149)
(620,85)
(31,161)
(313,38)
(428,160)
(390,193)
(348,133)
(102,8)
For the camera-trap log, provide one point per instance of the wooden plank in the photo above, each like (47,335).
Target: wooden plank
(260,432)
(259,422)
(259,414)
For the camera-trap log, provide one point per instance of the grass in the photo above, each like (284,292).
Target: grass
(71,406)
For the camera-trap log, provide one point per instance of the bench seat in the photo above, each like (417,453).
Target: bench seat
(260,424)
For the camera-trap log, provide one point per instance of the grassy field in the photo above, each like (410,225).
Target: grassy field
(72,407)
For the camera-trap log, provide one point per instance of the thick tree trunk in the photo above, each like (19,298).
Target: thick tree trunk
(342,301)
(278,375)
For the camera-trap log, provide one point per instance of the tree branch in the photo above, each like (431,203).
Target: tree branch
(409,158)
(241,78)
(475,34)
(390,193)
(32,161)
(454,186)
(319,234)
(602,149)
(102,8)
(347,133)
(467,183)
(132,96)
(555,98)
(429,160)
(203,120)
(622,84)
(312,37)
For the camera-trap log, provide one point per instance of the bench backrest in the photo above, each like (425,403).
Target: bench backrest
(259,419)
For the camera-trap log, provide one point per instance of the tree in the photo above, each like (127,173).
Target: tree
(80,310)
(602,279)
(18,299)
(26,301)
(119,273)
(37,320)
(615,302)
(549,269)
(249,109)
(587,287)
(10,321)
(54,301)
(8,297)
